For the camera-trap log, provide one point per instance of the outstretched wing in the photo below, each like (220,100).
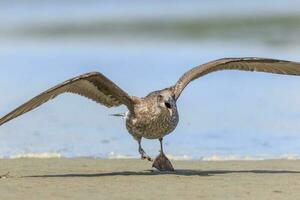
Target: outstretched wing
(246,64)
(94,86)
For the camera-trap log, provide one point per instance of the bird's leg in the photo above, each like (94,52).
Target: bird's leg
(144,156)
(161,162)
(161,145)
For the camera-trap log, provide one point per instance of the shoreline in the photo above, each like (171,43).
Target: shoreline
(113,156)
(78,178)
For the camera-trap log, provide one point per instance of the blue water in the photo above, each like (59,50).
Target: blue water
(226,114)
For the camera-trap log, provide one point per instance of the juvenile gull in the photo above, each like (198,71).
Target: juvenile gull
(155,115)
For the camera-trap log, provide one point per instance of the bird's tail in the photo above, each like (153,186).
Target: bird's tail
(122,115)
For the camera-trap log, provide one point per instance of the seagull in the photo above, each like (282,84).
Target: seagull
(156,115)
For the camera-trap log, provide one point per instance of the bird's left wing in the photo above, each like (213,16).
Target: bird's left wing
(94,86)
(245,64)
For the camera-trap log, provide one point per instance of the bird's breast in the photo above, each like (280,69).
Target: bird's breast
(152,124)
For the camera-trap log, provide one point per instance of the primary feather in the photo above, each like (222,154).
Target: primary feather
(94,86)
(245,64)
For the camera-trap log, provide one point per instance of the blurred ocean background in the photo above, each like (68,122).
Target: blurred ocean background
(144,46)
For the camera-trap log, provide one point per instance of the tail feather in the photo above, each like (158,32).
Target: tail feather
(118,115)
(122,115)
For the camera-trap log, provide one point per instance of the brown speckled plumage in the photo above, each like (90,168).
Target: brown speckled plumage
(152,120)
(155,115)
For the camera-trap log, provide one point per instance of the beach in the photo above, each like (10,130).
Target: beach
(85,178)
(238,132)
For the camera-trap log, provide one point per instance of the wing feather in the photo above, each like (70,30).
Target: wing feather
(94,86)
(245,64)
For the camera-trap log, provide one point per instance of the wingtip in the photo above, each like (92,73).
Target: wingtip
(91,73)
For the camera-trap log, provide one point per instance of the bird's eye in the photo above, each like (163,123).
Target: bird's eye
(168,105)
(160,98)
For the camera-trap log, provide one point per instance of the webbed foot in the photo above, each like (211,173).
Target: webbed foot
(162,163)
(146,157)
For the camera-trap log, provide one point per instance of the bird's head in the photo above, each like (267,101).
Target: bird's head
(166,101)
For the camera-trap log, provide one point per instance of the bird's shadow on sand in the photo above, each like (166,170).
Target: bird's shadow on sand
(180,172)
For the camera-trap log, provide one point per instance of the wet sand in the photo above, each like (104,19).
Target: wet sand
(133,179)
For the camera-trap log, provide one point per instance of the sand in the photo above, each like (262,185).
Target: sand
(133,179)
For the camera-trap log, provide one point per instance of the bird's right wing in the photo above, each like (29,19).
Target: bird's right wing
(94,86)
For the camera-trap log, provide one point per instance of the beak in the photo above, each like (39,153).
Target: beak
(169,107)
(170,111)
